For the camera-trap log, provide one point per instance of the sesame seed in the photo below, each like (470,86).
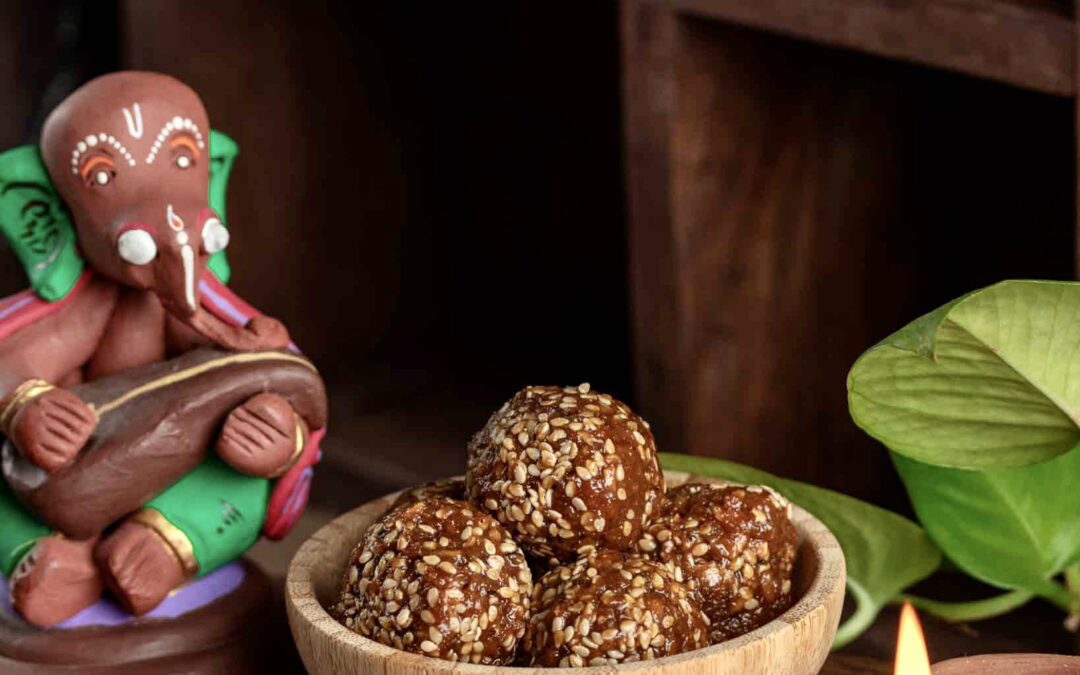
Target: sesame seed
(428,646)
(431,559)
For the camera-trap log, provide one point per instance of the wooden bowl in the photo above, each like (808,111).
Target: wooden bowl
(796,643)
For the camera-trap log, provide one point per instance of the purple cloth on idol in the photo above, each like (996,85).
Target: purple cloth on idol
(192,596)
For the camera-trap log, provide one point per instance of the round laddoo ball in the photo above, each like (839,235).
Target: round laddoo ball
(610,608)
(450,488)
(568,470)
(440,578)
(736,547)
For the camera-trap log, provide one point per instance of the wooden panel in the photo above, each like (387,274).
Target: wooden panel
(315,209)
(791,205)
(1027,44)
(407,174)
(780,197)
(649,51)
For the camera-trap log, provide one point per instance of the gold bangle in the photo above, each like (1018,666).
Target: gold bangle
(23,394)
(171,535)
(297,451)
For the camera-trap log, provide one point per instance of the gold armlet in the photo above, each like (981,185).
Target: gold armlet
(176,540)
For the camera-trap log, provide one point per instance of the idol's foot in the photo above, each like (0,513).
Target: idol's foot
(55,580)
(262,437)
(138,566)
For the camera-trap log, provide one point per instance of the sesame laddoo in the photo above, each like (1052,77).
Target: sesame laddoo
(567,470)
(440,578)
(735,545)
(451,488)
(610,608)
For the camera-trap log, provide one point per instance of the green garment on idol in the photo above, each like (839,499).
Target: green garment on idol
(219,509)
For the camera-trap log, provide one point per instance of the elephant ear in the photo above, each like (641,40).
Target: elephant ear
(223,151)
(36,224)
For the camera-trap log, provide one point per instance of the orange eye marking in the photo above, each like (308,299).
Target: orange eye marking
(186,142)
(93,162)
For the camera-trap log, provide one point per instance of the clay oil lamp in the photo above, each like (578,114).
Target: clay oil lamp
(912,657)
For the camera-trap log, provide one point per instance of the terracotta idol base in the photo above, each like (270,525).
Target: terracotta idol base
(209,626)
(1010,664)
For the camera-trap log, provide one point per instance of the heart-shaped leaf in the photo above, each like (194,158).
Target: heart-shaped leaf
(1013,528)
(991,380)
(885,552)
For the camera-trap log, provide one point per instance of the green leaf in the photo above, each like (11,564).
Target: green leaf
(885,552)
(991,380)
(1013,528)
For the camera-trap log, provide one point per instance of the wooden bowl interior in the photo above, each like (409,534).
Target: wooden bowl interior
(316,572)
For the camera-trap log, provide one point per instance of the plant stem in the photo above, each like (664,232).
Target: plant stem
(859,621)
(1058,595)
(973,610)
(1072,578)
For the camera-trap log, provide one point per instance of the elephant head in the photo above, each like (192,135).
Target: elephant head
(128,153)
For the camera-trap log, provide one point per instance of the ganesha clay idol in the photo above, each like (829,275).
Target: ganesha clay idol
(154,424)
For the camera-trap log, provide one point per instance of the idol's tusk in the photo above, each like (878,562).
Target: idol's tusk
(188,256)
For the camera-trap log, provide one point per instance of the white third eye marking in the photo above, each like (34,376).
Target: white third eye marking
(174,221)
(181,238)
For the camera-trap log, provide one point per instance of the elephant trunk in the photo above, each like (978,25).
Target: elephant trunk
(178,272)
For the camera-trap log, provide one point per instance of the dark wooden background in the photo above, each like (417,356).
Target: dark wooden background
(432,196)
(428,194)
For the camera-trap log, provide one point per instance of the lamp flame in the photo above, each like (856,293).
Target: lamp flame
(911,656)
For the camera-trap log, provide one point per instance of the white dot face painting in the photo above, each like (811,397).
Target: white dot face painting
(181,136)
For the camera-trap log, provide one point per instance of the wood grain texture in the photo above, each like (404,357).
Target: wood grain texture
(796,643)
(1026,44)
(791,205)
(1010,664)
(649,50)
(757,202)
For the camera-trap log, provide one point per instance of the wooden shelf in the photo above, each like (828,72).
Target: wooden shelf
(1026,44)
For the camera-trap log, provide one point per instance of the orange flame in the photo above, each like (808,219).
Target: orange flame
(911,656)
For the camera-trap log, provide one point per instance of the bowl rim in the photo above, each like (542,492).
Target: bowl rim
(302,599)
